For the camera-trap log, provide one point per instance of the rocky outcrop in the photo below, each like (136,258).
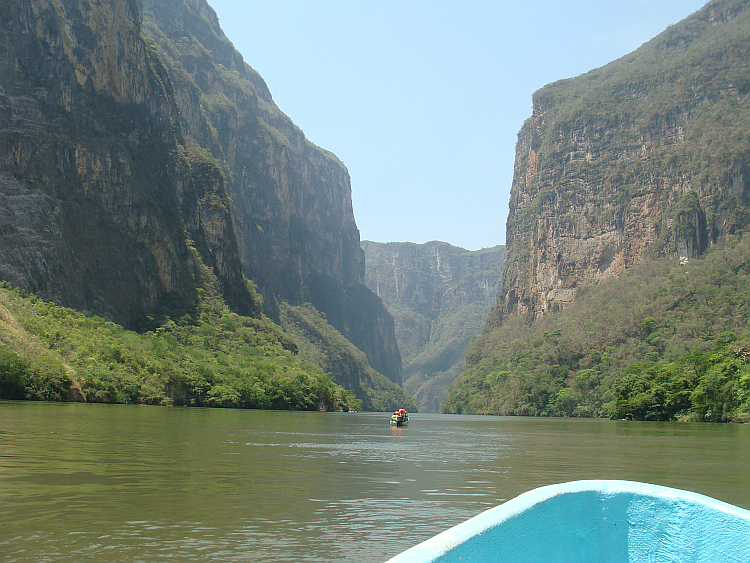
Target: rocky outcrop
(290,200)
(646,156)
(439,296)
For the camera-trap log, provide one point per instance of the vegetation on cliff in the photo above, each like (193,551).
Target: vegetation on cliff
(432,368)
(323,345)
(625,286)
(138,149)
(216,359)
(664,341)
(290,200)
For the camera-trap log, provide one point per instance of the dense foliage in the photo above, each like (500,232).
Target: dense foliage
(322,344)
(665,341)
(217,359)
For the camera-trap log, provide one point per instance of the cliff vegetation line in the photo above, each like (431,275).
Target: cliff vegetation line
(290,200)
(624,289)
(54,353)
(321,344)
(144,168)
(664,341)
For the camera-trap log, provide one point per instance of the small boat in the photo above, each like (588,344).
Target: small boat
(400,418)
(596,521)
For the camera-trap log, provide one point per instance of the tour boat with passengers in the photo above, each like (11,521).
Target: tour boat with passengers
(400,417)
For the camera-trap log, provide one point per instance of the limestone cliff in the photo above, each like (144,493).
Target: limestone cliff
(646,156)
(92,193)
(291,200)
(439,296)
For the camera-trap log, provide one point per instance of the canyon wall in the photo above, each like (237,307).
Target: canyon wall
(647,156)
(290,200)
(92,195)
(439,296)
(136,146)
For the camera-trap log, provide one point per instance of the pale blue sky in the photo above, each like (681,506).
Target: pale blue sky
(423,100)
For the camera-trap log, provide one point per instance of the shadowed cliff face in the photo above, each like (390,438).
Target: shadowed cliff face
(439,296)
(82,217)
(644,157)
(290,200)
(111,191)
(97,197)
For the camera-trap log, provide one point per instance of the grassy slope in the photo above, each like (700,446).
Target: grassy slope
(322,344)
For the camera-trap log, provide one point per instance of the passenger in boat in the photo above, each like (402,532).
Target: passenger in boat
(402,412)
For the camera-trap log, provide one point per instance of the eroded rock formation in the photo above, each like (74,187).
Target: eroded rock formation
(646,156)
(91,198)
(136,143)
(291,200)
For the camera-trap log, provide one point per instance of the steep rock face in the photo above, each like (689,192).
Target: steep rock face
(646,156)
(439,296)
(109,200)
(91,190)
(291,201)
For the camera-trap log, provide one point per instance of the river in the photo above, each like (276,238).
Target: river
(82,482)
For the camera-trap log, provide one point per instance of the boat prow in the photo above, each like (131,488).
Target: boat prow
(596,521)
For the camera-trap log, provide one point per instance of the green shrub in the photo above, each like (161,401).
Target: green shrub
(14,375)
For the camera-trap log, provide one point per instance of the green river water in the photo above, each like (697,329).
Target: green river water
(128,483)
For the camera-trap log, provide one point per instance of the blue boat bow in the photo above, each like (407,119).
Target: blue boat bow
(596,521)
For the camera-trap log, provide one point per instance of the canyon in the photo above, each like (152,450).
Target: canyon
(439,295)
(137,147)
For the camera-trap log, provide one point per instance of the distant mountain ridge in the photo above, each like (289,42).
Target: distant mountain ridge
(439,296)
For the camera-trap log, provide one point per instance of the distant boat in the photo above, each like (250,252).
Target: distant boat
(596,521)
(399,419)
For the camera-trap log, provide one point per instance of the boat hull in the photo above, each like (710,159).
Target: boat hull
(596,521)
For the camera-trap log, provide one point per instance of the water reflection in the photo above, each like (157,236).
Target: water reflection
(126,483)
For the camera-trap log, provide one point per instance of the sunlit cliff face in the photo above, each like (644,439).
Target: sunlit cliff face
(629,161)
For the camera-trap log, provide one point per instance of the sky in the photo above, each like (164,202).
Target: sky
(422,100)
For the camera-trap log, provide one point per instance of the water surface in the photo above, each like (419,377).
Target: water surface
(134,483)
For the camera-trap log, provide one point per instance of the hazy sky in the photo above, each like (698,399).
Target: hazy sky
(422,100)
